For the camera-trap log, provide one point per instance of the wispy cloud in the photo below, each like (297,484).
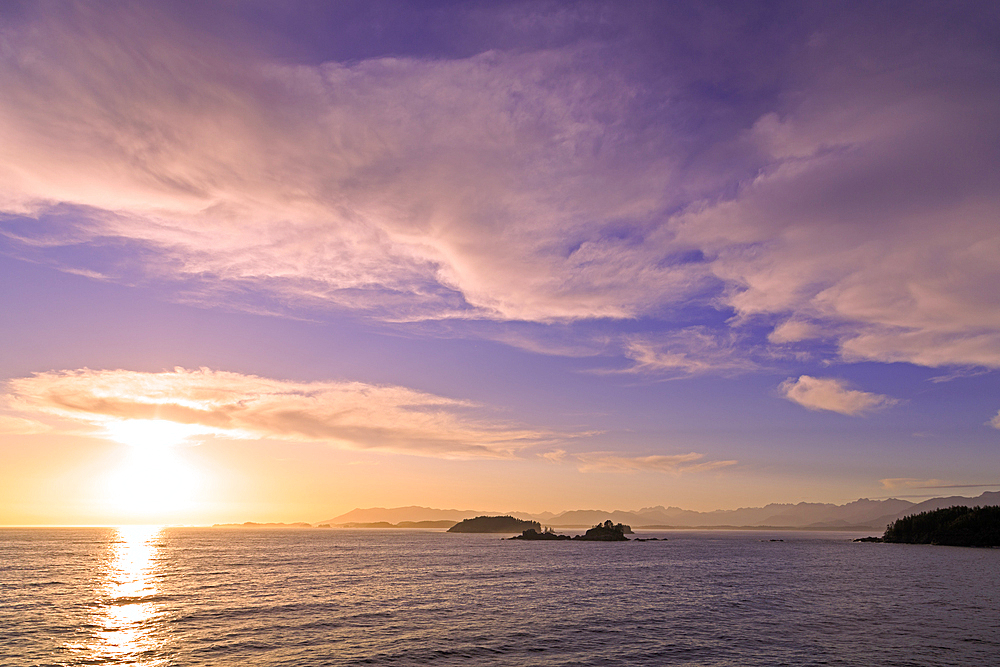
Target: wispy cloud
(318,184)
(833,395)
(10,425)
(687,352)
(995,422)
(893,483)
(667,463)
(959,373)
(345,414)
(555,456)
(524,185)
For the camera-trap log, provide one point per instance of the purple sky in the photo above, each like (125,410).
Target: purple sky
(528,256)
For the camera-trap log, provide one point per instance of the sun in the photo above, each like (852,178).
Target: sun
(155,480)
(147,433)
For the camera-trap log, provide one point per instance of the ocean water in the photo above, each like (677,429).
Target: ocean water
(188,596)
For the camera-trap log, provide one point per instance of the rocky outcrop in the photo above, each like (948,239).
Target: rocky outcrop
(606,532)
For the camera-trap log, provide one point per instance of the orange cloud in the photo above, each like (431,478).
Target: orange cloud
(894,483)
(346,414)
(10,425)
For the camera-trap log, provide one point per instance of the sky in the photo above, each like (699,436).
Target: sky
(273,261)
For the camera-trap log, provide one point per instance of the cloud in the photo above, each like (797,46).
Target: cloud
(881,233)
(958,373)
(499,186)
(995,422)
(346,414)
(687,352)
(833,395)
(10,425)
(555,456)
(554,184)
(673,463)
(894,483)
(793,331)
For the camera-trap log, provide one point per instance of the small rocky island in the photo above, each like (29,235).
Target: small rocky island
(495,524)
(547,534)
(602,532)
(957,526)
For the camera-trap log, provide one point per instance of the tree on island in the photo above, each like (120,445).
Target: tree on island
(957,526)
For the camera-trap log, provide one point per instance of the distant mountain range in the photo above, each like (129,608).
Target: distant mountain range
(860,514)
(399,514)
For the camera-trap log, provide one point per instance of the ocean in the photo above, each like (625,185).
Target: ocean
(199,596)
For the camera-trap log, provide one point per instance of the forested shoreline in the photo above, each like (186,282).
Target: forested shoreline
(957,526)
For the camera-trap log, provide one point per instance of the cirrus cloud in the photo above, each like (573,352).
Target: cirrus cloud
(499,186)
(537,184)
(687,352)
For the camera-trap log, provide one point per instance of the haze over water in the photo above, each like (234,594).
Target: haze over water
(176,596)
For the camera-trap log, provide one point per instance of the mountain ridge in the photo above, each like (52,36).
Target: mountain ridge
(399,514)
(861,513)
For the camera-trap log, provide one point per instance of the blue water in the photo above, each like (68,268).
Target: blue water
(188,596)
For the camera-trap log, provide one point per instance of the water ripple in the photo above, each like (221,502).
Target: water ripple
(186,597)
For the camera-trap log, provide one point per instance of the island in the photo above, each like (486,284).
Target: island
(957,526)
(606,532)
(494,524)
(602,532)
(547,534)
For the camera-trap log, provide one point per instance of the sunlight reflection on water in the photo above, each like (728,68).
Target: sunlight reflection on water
(125,595)
(201,597)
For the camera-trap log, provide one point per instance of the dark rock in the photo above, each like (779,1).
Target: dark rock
(532,534)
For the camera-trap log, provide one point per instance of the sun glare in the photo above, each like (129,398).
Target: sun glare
(150,432)
(155,480)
